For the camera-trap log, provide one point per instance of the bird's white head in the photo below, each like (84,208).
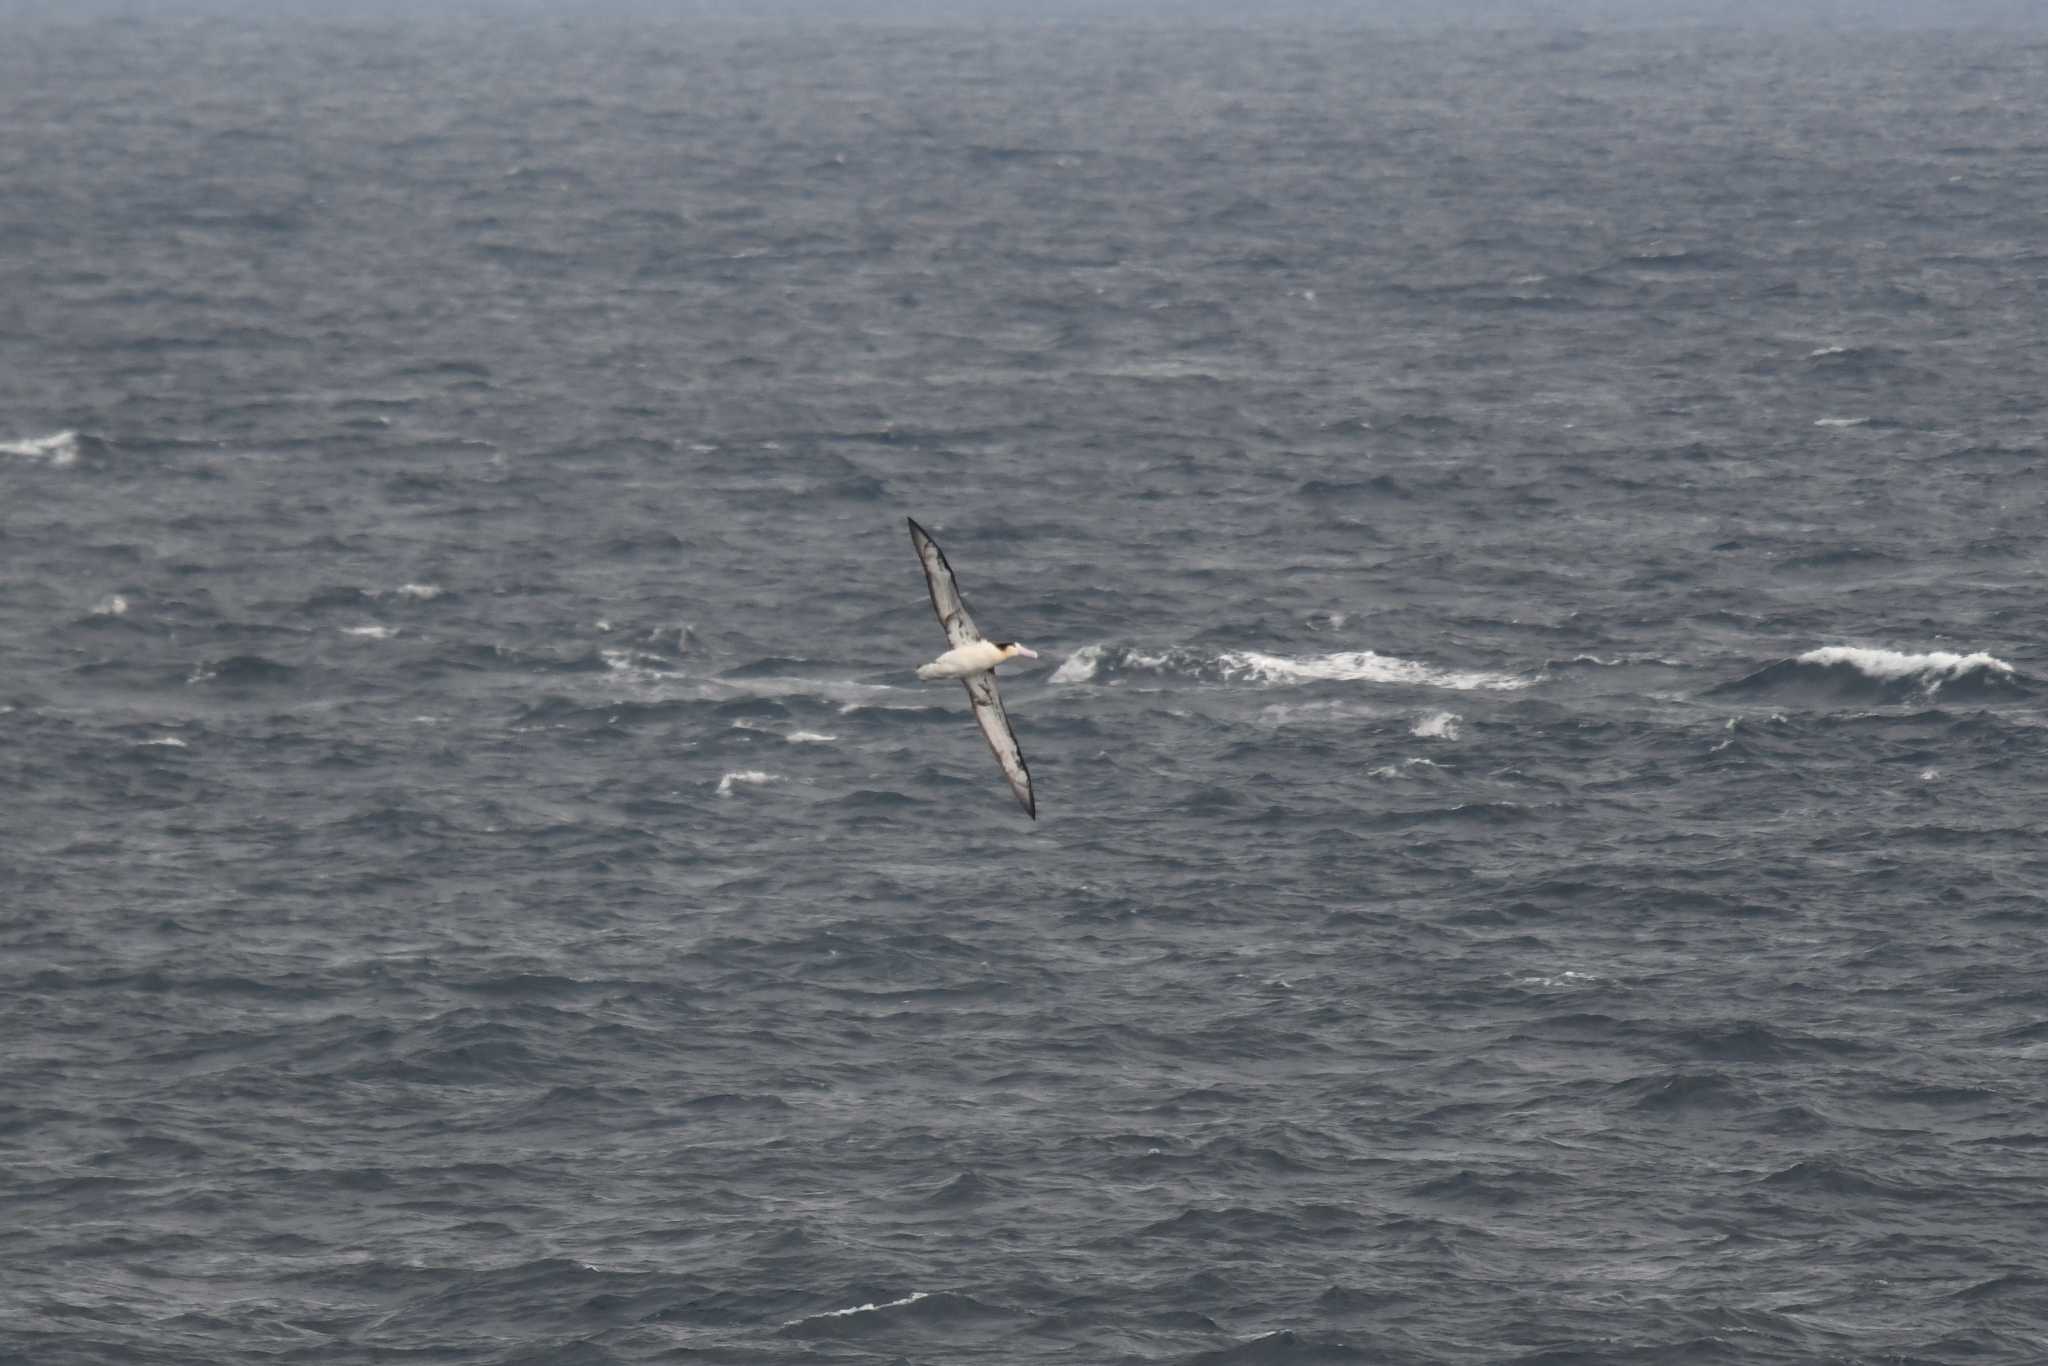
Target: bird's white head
(1012,650)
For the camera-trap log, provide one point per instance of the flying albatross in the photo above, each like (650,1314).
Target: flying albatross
(972,660)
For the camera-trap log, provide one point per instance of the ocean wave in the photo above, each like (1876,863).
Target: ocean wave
(1829,1178)
(750,777)
(1282,1348)
(1854,358)
(1857,673)
(942,1312)
(58,448)
(1405,769)
(243,671)
(1685,1093)
(869,1308)
(1442,725)
(1113,664)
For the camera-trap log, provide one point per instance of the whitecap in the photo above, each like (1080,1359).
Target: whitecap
(166,742)
(1840,421)
(850,693)
(750,776)
(1403,769)
(1356,666)
(59,448)
(1078,667)
(854,708)
(112,605)
(912,1298)
(1562,979)
(1323,709)
(1442,725)
(370,632)
(1933,669)
(420,592)
(809,737)
(1088,664)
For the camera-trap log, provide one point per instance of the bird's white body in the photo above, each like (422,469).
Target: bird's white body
(975,657)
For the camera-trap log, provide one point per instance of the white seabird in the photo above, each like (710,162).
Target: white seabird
(973,660)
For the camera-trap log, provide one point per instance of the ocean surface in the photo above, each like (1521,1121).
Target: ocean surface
(1534,540)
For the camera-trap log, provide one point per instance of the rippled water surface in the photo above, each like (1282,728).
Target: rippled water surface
(1533,541)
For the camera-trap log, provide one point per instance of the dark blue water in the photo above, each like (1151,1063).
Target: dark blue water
(1534,540)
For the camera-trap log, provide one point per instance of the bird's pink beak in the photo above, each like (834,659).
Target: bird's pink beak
(1027,652)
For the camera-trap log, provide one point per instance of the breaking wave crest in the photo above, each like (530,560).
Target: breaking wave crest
(745,777)
(58,448)
(1112,664)
(1854,673)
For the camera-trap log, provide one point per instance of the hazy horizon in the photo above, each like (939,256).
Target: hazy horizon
(1825,14)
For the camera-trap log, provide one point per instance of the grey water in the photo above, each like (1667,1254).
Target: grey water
(1533,537)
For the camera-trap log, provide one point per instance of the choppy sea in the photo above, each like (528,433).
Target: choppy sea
(1534,539)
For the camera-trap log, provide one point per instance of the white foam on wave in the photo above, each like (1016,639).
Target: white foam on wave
(749,776)
(1084,664)
(1403,769)
(1933,669)
(912,1298)
(112,605)
(851,695)
(1567,978)
(1356,666)
(1078,667)
(1840,421)
(1827,351)
(1321,710)
(59,448)
(844,690)
(370,632)
(795,737)
(166,742)
(420,592)
(1344,666)
(1442,725)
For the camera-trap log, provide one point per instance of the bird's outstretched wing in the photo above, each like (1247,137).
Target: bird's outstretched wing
(995,725)
(938,576)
